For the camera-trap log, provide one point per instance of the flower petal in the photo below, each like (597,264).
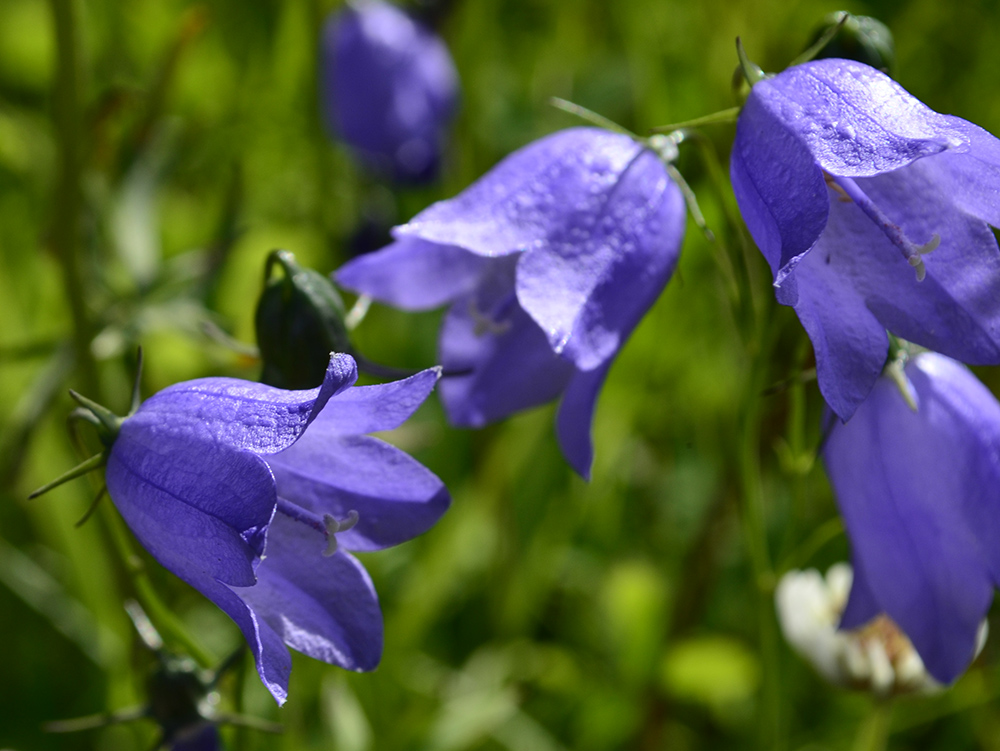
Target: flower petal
(855,283)
(369,409)
(413,274)
(242,414)
(395,496)
(322,606)
(779,188)
(599,270)
(904,481)
(861,604)
(189,503)
(274,664)
(516,204)
(575,417)
(853,119)
(971,178)
(490,374)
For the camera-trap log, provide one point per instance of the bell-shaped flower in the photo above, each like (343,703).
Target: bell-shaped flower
(252,494)
(389,88)
(874,213)
(548,262)
(916,474)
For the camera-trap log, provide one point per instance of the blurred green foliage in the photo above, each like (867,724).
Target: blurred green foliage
(543,612)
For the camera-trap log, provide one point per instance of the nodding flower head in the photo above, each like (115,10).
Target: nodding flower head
(548,262)
(253,495)
(389,88)
(916,477)
(874,213)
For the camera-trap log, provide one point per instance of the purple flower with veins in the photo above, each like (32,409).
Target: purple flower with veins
(874,213)
(389,88)
(252,495)
(548,262)
(919,490)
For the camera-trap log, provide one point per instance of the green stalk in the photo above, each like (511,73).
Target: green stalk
(164,620)
(873,733)
(68,116)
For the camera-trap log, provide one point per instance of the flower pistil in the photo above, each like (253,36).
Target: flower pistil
(912,252)
(327,524)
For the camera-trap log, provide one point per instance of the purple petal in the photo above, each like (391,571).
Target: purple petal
(324,607)
(853,119)
(369,409)
(861,603)
(274,664)
(413,274)
(855,283)
(602,267)
(971,178)
(516,204)
(779,188)
(242,414)
(496,365)
(904,481)
(575,417)
(395,496)
(189,503)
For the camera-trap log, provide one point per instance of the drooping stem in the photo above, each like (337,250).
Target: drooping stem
(168,624)
(67,114)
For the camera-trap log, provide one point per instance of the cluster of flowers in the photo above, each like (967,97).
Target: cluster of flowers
(846,182)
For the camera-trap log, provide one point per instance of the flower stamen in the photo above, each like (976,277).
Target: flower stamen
(911,251)
(327,524)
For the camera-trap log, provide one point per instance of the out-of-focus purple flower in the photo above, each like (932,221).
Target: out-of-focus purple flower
(919,491)
(251,494)
(847,182)
(548,262)
(389,88)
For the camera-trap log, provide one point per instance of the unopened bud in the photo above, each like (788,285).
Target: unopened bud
(299,321)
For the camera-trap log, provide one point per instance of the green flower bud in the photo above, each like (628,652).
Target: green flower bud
(299,322)
(860,38)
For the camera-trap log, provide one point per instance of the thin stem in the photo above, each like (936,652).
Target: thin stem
(168,624)
(722,116)
(873,733)
(816,47)
(754,526)
(67,113)
(90,722)
(591,117)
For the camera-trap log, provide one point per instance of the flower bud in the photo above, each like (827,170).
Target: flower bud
(299,322)
(860,38)
(389,89)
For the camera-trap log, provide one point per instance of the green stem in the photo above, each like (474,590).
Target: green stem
(169,625)
(873,733)
(67,113)
(754,526)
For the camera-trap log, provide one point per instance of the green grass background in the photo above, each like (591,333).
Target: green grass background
(542,612)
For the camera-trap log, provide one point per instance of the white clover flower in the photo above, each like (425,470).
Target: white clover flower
(878,657)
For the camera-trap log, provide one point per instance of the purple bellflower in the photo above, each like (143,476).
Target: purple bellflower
(389,88)
(847,183)
(548,262)
(252,494)
(919,490)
